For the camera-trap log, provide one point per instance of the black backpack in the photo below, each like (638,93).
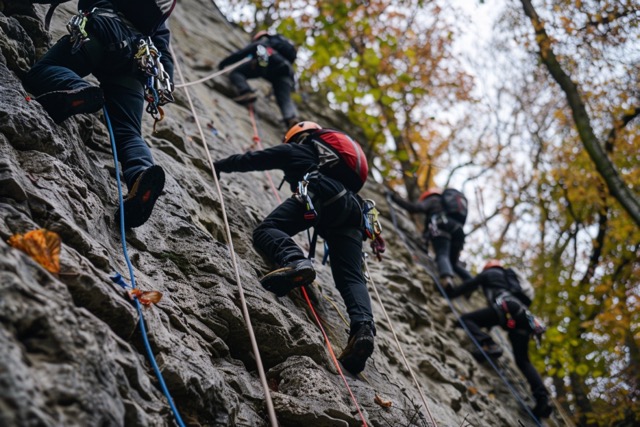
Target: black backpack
(519,286)
(454,204)
(284,47)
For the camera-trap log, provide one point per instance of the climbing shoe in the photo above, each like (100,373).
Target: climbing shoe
(295,274)
(542,409)
(62,104)
(246,98)
(142,197)
(358,349)
(493,350)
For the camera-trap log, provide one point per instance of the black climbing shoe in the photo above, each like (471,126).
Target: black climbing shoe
(295,274)
(493,351)
(62,104)
(542,409)
(142,197)
(358,349)
(246,98)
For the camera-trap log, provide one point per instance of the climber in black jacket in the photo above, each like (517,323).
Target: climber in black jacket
(272,59)
(338,220)
(103,40)
(499,297)
(443,230)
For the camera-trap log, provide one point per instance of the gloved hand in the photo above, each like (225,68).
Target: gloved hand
(223,64)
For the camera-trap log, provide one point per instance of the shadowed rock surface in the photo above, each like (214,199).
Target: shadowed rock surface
(72,353)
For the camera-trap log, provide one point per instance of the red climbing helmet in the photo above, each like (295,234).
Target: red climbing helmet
(296,131)
(492,263)
(430,192)
(260,34)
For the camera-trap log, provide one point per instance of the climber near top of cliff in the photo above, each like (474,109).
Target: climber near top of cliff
(326,169)
(120,42)
(273,57)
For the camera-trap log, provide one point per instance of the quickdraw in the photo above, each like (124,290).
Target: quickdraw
(75,27)
(302,195)
(372,228)
(262,55)
(159,87)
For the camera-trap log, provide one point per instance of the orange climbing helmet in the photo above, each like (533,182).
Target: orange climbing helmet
(260,34)
(430,192)
(295,132)
(491,264)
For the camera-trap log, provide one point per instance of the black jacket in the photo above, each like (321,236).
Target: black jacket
(148,17)
(492,281)
(295,160)
(429,206)
(276,60)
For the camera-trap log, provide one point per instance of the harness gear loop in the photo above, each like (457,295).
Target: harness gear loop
(158,87)
(302,195)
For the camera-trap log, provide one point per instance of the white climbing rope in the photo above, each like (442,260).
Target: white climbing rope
(245,310)
(395,337)
(213,75)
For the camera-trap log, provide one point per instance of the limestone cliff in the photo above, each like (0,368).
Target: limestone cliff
(71,353)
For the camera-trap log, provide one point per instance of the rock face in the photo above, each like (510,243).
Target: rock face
(72,353)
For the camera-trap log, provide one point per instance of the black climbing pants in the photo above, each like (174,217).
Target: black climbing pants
(487,318)
(340,225)
(281,78)
(448,241)
(121,83)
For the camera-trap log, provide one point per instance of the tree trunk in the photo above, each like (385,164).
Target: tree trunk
(595,149)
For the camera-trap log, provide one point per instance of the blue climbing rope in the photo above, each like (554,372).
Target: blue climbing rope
(460,321)
(117,278)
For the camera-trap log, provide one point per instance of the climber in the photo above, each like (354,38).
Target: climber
(325,198)
(104,36)
(509,310)
(445,214)
(273,58)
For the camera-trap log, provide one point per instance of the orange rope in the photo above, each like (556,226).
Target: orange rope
(333,356)
(258,141)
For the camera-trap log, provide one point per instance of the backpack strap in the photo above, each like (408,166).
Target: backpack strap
(49,15)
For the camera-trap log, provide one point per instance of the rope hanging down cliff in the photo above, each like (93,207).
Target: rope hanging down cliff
(243,302)
(118,279)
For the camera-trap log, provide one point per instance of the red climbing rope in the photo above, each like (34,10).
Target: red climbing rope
(257,141)
(333,355)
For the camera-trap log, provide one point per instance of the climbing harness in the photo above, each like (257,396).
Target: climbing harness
(117,278)
(534,325)
(243,303)
(158,87)
(460,321)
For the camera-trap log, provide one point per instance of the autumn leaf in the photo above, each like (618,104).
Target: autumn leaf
(42,245)
(145,297)
(380,401)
